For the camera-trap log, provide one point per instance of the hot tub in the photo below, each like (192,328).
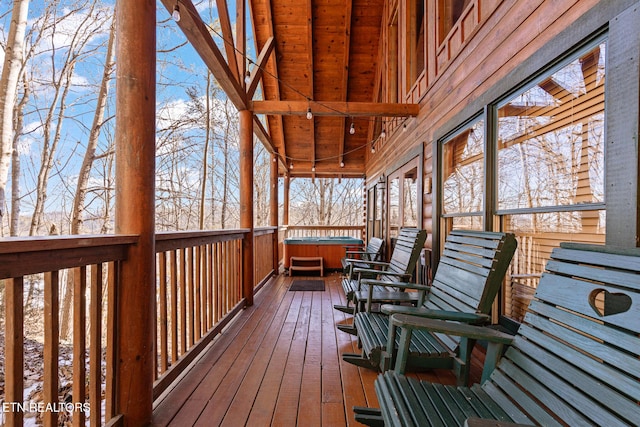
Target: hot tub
(331,249)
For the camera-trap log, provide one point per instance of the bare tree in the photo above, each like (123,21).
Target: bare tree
(13,62)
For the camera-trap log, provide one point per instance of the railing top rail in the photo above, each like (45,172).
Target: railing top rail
(322,227)
(23,256)
(167,241)
(12,245)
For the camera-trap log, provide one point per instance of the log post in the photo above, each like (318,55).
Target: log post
(246,202)
(285,208)
(134,213)
(274,209)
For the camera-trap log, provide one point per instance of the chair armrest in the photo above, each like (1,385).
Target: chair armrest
(471,318)
(451,328)
(379,263)
(402,285)
(356,252)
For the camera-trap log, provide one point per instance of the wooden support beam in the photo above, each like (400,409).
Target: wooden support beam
(261,62)
(227,34)
(241,37)
(309,72)
(274,208)
(135,206)
(200,38)
(285,209)
(246,202)
(331,108)
(345,76)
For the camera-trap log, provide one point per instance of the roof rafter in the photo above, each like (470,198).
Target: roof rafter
(198,35)
(227,34)
(261,62)
(310,44)
(335,108)
(345,76)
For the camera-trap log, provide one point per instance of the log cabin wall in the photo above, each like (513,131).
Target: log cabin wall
(492,49)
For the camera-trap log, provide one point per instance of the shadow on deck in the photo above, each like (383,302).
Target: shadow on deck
(277,363)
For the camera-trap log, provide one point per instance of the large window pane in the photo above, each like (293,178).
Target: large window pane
(551,139)
(463,171)
(410,199)
(394,207)
(537,235)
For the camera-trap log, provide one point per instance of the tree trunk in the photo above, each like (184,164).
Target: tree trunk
(8,91)
(15,160)
(94,134)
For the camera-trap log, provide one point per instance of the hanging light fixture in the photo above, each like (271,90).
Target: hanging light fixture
(176,13)
(247,76)
(313,168)
(352,129)
(341,164)
(309,113)
(373,148)
(383,134)
(404,127)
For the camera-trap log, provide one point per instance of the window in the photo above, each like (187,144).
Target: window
(375,198)
(404,209)
(415,41)
(551,168)
(463,178)
(549,177)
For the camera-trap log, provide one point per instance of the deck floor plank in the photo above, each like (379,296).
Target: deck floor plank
(278,364)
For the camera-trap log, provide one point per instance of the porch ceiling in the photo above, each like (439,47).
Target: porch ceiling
(325,51)
(320,54)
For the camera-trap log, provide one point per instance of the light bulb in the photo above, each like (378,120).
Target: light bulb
(291,166)
(176,13)
(313,169)
(309,114)
(352,129)
(341,164)
(383,134)
(247,77)
(373,149)
(404,127)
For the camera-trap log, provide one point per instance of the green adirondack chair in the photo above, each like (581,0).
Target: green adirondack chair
(574,361)
(468,278)
(400,267)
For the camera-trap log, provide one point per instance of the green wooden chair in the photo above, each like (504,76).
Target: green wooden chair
(574,361)
(400,267)
(361,258)
(468,278)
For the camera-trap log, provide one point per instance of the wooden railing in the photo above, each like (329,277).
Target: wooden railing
(263,247)
(199,290)
(356,231)
(83,259)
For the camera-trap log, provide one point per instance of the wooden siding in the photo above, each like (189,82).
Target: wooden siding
(501,42)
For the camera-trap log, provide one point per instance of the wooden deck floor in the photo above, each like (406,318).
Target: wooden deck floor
(278,364)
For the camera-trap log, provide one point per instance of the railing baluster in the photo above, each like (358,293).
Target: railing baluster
(14,356)
(79,342)
(111,356)
(183,300)
(95,345)
(51,343)
(174,306)
(162,283)
(197,293)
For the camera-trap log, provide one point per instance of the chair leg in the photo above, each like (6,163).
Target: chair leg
(359,360)
(369,416)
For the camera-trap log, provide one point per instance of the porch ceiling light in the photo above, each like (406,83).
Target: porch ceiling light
(383,134)
(309,113)
(176,13)
(352,129)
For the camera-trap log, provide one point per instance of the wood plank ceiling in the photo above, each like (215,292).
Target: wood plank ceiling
(325,58)
(312,54)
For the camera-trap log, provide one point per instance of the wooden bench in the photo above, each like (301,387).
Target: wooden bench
(306,263)
(469,275)
(360,258)
(574,361)
(400,267)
